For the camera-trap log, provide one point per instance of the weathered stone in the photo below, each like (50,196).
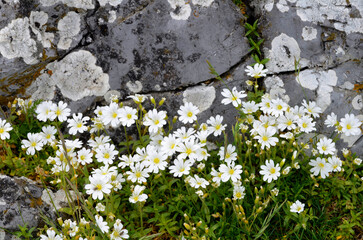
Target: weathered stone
(21,203)
(324,38)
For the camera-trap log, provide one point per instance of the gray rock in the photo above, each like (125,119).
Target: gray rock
(326,39)
(20,203)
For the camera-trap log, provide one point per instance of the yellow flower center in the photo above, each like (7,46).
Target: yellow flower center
(83,157)
(238,195)
(48,136)
(156,160)
(99,187)
(231,171)
(188,151)
(298,208)
(172,146)
(129,116)
(228,155)
(58,112)
(321,165)
(289,123)
(218,126)
(272,170)
(265,138)
(324,148)
(190,114)
(279,107)
(182,170)
(304,125)
(138,174)
(2,130)
(79,125)
(136,198)
(114,115)
(234,98)
(349,126)
(106,155)
(33,144)
(156,122)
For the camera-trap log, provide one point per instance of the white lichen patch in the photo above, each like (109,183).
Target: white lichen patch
(112,16)
(263,5)
(284,51)
(200,96)
(203,3)
(76,76)
(347,85)
(357,102)
(340,50)
(275,86)
(110,94)
(111,2)
(42,88)
(59,199)
(38,22)
(338,11)
(309,33)
(134,87)
(83,4)
(322,81)
(282,6)
(181,9)
(15,41)
(68,27)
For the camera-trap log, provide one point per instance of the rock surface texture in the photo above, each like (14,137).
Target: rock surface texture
(21,203)
(80,51)
(326,38)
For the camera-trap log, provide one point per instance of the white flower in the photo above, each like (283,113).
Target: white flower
(118,232)
(98,186)
(286,170)
(306,124)
(51,235)
(275,192)
(138,98)
(257,71)
(287,121)
(97,125)
(98,141)
(106,153)
(59,111)
(228,156)
(266,104)
(350,125)
(217,176)
(335,163)
(100,207)
(84,156)
(126,161)
(357,161)
(331,120)
(180,167)
(102,224)
(265,137)
(239,192)
(5,127)
(155,120)
(230,171)
(137,195)
(297,207)
(183,134)
(233,96)
(169,144)
(48,133)
(44,111)
(197,182)
(216,125)
(138,173)
(77,124)
(270,171)
(33,143)
(326,146)
(311,108)
(188,113)
(111,114)
(156,160)
(320,166)
(249,107)
(188,149)
(278,107)
(128,116)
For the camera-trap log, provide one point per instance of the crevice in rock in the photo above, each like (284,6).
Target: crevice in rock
(205,82)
